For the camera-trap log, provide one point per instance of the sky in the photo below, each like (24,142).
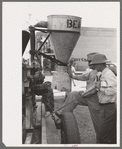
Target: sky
(15,17)
(20,15)
(93,14)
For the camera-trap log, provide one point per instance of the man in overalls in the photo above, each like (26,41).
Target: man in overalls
(76,98)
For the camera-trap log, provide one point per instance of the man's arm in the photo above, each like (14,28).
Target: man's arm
(83,77)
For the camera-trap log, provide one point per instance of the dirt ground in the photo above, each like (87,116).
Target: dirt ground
(85,125)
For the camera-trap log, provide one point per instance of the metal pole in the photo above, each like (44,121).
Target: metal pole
(32,48)
(32,40)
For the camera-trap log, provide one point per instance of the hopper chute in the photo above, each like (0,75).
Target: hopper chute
(65,31)
(63,44)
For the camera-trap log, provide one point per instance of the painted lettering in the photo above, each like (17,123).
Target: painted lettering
(73,23)
(69,23)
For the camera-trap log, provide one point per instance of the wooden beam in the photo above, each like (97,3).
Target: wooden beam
(44,133)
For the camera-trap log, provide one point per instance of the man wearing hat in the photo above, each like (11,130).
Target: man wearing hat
(89,59)
(107,95)
(76,98)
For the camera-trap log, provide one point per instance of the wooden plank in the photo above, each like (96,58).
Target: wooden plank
(38,116)
(28,139)
(44,133)
(28,114)
(38,103)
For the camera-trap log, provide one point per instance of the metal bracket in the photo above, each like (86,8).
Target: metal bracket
(53,59)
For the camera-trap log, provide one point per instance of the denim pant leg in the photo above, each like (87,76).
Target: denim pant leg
(94,110)
(73,99)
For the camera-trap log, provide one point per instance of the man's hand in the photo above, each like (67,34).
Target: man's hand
(98,85)
(69,71)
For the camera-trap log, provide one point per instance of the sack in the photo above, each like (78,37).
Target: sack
(90,91)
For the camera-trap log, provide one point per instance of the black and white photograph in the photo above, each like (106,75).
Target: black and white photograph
(61,80)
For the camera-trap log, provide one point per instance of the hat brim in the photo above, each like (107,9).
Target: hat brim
(93,63)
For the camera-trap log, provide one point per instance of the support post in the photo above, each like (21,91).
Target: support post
(32,40)
(32,48)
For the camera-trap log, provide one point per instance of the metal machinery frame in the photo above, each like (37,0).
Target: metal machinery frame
(72,29)
(29,106)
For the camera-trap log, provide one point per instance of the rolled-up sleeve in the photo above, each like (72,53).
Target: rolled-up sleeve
(83,77)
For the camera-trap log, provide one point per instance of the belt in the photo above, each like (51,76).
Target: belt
(102,104)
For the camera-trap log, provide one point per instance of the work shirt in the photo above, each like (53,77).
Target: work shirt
(89,77)
(108,89)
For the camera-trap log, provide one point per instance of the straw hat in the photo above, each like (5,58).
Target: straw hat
(99,59)
(90,56)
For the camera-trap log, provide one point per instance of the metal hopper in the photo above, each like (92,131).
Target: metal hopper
(65,31)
